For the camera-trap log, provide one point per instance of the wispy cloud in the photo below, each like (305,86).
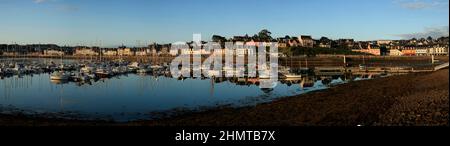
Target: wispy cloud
(40,1)
(58,5)
(434,32)
(416,5)
(421,4)
(67,8)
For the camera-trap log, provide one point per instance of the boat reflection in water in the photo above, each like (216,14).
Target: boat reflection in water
(57,82)
(132,96)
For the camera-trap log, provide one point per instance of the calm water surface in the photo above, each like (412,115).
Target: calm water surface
(132,96)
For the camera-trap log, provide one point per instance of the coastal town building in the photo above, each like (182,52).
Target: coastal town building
(142,51)
(306,41)
(410,47)
(409,51)
(53,53)
(33,53)
(110,52)
(375,52)
(85,52)
(344,44)
(395,52)
(164,50)
(153,52)
(438,50)
(160,50)
(368,49)
(422,51)
(384,42)
(282,45)
(283,42)
(174,52)
(124,51)
(294,42)
(323,42)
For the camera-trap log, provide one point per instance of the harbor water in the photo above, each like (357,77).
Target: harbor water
(132,96)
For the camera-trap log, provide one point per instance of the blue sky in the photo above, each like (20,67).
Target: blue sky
(114,22)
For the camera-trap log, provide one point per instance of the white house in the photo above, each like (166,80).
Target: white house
(53,53)
(438,50)
(85,52)
(422,51)
(395,52)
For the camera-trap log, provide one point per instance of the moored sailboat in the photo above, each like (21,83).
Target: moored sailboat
(59,75)
(103,73)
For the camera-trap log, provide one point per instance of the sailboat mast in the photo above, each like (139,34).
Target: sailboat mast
(364,60)
(306,62)
(100,53)
(62,67)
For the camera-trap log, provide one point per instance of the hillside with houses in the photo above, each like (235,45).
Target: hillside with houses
(288,45)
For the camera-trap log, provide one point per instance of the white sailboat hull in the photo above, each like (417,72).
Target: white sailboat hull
(293,76)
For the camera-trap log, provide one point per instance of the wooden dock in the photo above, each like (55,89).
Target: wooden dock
(329,71)
(337,71)
(442,66)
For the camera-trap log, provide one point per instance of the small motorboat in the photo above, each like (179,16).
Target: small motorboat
(292,76)
(80,77)
(134,65)
(103,73)
(87,69)
(156,67)
(143,70)
(59,75)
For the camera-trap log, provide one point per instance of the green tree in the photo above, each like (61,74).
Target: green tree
(429,38)
(287,37)
(255,37)
(265,35)
(324,39)
(218,38)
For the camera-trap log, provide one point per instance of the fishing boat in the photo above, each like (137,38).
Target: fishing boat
(143,70)
(84,77)
(80,77)
(59,81)
(18,69)
(50,67)
(264,74)
(291,75)
(305,83)
(241,79)
(59,75)
(120,70)
(1,71)
(92,76)
(214,73)
(87,69)
(62,67)
(133,65)
(362,67)
(185,72)
(156,67)
(288,74)
(103,73)
(196,69)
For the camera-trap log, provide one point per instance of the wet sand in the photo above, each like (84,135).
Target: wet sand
(418,99)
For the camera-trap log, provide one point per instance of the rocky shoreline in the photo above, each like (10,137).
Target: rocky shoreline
(418,99)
